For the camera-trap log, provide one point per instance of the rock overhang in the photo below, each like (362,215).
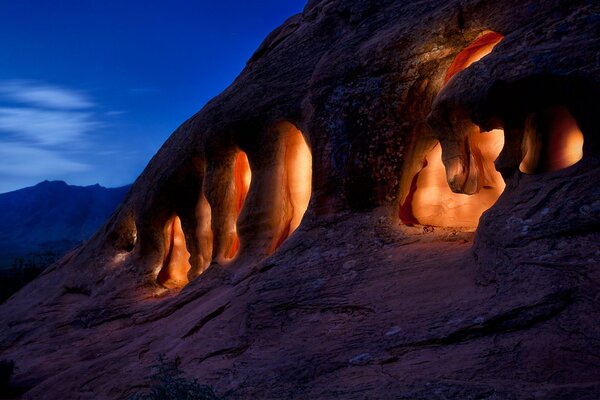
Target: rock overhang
(358,81)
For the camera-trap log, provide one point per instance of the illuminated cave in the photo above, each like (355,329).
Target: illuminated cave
(240,184)
(279,201)
(177,269)
(427,197)
(294,182)
(281,194)
(432,202)
(552,141)
(204,236)
(176,264)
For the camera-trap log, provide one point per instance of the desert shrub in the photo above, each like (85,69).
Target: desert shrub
(169,383)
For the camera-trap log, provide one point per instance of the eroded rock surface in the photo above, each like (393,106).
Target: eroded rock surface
(353,303)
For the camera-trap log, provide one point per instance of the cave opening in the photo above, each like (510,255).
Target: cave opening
(176,264)
(240,185)
(430,201)
(278,205)
(294,182)
(552,141)
(427,198)
(204,236)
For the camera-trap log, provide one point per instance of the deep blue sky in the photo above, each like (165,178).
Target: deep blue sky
(89,90)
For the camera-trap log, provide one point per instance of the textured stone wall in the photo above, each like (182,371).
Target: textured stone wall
(357,104)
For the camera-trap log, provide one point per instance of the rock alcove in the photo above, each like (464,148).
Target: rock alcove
(434,197)
(280,200)
(262,250)
(453,188)
(443,191)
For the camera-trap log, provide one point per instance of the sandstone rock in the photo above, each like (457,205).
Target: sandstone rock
(353,303)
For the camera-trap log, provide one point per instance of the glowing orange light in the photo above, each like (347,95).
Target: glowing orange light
(531,147)
(299,175)
(429,199)
(204,234)
(480,48)
(552,141)
(434,203)
(176,262)
(297,167)
(242,176)
(485,147)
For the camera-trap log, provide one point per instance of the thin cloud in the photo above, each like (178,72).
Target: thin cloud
(47,127)
(17,159)
(43,129)
(44,96)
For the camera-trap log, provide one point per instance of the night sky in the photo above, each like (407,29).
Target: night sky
(89,90)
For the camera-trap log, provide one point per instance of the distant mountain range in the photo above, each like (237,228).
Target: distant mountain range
(50,218)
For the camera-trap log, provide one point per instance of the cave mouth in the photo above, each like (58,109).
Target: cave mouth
(427,196)
(293,184)
(175,264)
(223,227)
(238,191)
(179,265)
(552,141)
(430,201)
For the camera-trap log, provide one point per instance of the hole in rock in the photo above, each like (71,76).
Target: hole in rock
(295,184)
(176,264)
(552,141)
(204,235)
(429,200)
(240,184)
(481,47)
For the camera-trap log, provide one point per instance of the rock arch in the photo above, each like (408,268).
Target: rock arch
(438,191)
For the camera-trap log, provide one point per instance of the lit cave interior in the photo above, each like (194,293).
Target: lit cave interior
(551,141)
(436,190)
(282,196)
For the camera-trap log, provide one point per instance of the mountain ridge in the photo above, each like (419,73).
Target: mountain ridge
(52,215)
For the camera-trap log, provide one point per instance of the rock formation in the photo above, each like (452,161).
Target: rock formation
(402,122)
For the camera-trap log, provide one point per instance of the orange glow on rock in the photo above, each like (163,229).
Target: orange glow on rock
(176,264)
(480,48)
(429,200)
(296,184)
(485,147)
(298,160)
(433,202)
(204,235)
(242,176)
(552,141)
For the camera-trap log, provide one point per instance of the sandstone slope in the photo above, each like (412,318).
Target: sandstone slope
(356,303)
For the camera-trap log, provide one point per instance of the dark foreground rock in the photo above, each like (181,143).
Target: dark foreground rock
(361,301)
